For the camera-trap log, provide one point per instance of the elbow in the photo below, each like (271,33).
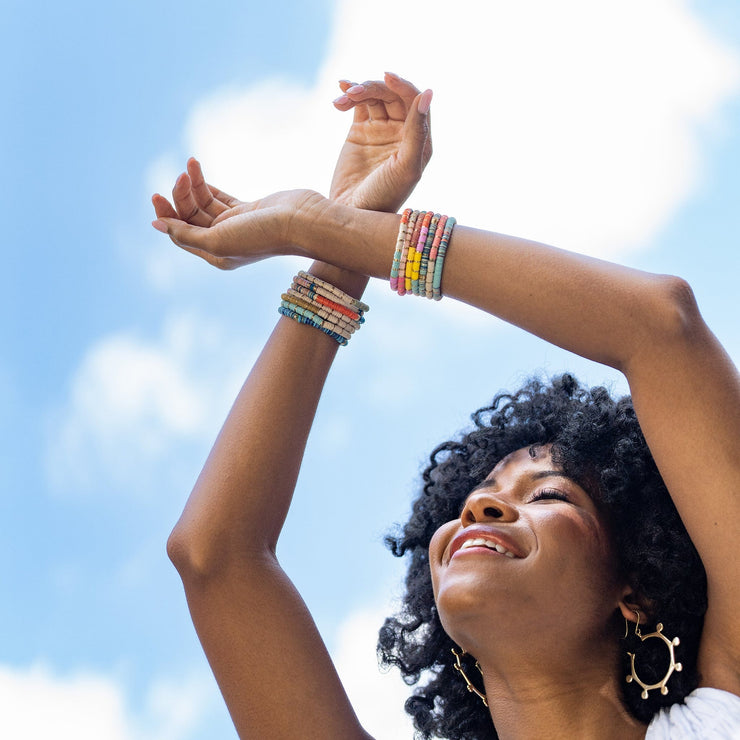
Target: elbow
(674,311)
(202,557)
(178,551)
(195,558)
(186,558)
(667,319)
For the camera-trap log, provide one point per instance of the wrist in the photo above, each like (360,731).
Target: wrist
(348,238)
(306,221)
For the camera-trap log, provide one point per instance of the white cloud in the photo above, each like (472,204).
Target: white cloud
(377,698)
(577,123)
(38,704)
(131,400)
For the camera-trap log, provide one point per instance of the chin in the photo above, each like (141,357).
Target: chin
(467,613)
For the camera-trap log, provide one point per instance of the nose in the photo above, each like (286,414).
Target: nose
(485,506)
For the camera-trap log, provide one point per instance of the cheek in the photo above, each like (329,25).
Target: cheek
(583,545)
(437,546)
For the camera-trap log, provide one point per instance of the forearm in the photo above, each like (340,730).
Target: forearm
(239,503)
(597,309)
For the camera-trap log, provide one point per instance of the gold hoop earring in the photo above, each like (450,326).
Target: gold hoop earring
(674,666)
(468,683)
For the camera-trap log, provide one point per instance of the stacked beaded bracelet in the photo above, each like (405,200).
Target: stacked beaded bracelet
(423,238)
(317,303)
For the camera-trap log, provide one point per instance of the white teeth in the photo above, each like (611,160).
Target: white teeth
(482,542)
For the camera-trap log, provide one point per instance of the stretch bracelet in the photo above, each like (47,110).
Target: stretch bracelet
(418,280)
(303,320)
(321,311)
(317,320)
(323,299)
(417,244)
(439,263)
(399,248)
(429,275)
(421,247)
(341,297)
(319,304)
(412,236)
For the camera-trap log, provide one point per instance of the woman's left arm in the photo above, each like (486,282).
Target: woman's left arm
(685,388)
(260,639)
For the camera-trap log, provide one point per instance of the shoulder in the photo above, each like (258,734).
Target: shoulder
(707,714)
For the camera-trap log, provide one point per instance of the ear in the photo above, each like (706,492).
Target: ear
(630,606)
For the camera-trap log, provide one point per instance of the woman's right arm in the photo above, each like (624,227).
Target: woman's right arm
(685,388)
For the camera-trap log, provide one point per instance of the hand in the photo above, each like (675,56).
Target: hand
(224,231)
(388,146)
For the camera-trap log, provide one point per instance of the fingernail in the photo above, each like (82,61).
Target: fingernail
(425,102)
(160,226)
(341,99)
(356,89)
(392,74)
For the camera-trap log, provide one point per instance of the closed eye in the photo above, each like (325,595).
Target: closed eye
(550,494)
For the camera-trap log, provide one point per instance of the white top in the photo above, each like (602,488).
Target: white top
(708,714)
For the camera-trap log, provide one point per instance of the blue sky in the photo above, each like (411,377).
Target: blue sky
(612,130)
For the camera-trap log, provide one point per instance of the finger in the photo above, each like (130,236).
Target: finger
(228,200)
(380,100)
(203,195)
(220,262)
(162,207)
(406,90)
(373,94)
(371,100)
(396,93)
(184,234)
(416,143)
(344,103)
(185,203)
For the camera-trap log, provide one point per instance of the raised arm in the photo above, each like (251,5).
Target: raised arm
(685,388)
(263,646)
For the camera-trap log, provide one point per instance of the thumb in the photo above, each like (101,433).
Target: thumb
(416,146)
(183,234)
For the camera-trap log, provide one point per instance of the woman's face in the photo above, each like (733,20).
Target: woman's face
(529,554)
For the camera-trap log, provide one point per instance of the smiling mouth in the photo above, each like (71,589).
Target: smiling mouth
(482,542)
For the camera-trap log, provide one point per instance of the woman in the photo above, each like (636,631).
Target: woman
(532,567)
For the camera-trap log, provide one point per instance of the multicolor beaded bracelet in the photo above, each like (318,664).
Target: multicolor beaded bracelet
(418,280)
(322,305)
(292,297)
(303,320)
(429,274)
(421,246)
(399,248)
(341,297)
(412,236)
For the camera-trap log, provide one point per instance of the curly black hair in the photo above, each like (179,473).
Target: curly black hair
(598,442)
